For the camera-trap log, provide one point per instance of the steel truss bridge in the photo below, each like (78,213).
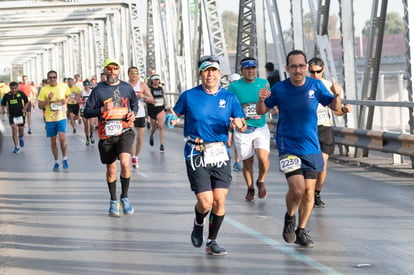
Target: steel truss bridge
(75,37)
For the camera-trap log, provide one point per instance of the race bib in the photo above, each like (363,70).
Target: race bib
(289,163)
(55,105)
(73,95)
(159,101)
(249,110)
(323,117)
(113,128)
(215,152)
(18,120)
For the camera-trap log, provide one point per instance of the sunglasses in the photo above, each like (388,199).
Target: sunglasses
(316,72)
(133,72)
(112,67)
(211,58)
(52,77)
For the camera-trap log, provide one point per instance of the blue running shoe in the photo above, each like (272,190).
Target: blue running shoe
(114,209)
(21,142)
(56,167)
(127,207)
(237,166)
(16,150)
(65,164)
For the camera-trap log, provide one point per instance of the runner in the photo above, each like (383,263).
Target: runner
(206,154)
(88,123)
(157,110)
(144,96)
(114,103)
(17,103)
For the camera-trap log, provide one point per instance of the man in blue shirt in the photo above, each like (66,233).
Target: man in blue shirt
(209,112)
(297,139)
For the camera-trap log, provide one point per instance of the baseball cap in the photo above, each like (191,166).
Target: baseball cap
(111,61)
(86,82)
(234,77)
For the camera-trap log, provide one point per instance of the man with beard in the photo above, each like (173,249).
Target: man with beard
(115,104)
(297,140)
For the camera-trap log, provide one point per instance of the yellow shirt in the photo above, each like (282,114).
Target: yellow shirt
(75,94)
(55,109)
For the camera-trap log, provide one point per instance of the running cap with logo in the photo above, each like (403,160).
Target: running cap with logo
(208,62)
(248,63)
(111,61)
(86,82)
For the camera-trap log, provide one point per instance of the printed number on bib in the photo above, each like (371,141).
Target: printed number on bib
(56,105)
(249,110)
(215,152)
(159,101)
(113,128)
(323,117)
(18,120)
(289,163)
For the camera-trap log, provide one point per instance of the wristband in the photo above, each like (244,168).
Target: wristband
(342,109)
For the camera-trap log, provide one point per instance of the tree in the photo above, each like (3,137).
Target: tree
(308,31)
(393,24)
(230,21)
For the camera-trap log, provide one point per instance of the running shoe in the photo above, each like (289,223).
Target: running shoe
(127,207)
(303,238)
(134,162)
(92,139)
(318,202)
(114,209)
(197,235)
(21,142)
(29,131)
(212,248)
(16,150)
(162,149)
(151,141)
(250,194)
(289,234)
(237,166)
(87,142)
(65,164)
(56,167)
(261,189)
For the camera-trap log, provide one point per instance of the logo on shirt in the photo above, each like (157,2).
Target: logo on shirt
(222,103)
(311,94)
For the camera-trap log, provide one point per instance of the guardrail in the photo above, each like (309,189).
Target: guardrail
(375,140)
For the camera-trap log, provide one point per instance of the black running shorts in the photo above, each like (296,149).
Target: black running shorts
(207,178)
(139,122)
(110,148)
(326,139)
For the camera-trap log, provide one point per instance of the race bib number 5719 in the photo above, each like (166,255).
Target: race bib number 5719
(289,163)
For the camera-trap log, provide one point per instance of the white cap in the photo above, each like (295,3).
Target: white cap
(234,77)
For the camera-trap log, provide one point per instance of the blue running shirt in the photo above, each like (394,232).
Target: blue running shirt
(297,130)
(207,116)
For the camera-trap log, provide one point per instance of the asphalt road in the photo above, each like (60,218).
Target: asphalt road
(57,223)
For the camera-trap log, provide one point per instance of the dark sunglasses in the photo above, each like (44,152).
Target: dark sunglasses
(316,72)
(211,58)
(52,77)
